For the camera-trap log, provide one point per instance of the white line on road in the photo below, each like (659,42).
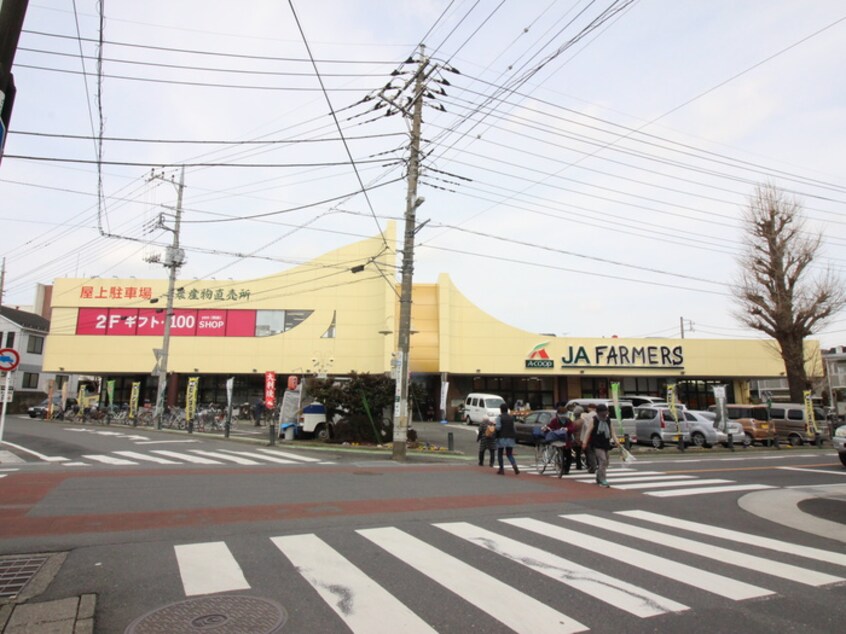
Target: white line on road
(510,606)
(260,456)
(779,546)
(707,490)
(658,484)
(615,592)
(184,457)
(725,555)
(223,456)
(108,459)
(35,453)
(165,442)
(690,575)
(144,456)
(285,454)
(209,568)
(835,471)
(361,603)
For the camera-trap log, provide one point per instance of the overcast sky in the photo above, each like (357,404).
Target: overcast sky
(599,195)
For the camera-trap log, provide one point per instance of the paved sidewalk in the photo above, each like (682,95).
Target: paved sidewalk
(63,616)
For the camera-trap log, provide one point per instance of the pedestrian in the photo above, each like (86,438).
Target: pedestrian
(578,426)
(587,423)
(258,410)
(599,437)
(562,421)
(506,438)
(486,437)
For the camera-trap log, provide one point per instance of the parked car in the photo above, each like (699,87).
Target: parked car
(479,407)
(733,428)
(755,420)
(626,410)
(703,433)
(637,400)
(657,425)
(40,410)
(791,426)
(537,418)
(839,440)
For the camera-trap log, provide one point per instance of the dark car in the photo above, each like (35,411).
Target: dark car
(537,418)
(40,410)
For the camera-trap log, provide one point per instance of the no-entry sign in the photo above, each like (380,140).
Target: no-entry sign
(9,359)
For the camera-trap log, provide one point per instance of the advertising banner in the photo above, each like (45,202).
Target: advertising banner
(722,413)
(615,398)
(110,392)
(191,397)
(671,401)
(51,389)
(149,322)
(811,422)
(270,390)
(290,406)
(133,399)
(230,384)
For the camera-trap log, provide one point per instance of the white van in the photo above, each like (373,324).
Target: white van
(478,407)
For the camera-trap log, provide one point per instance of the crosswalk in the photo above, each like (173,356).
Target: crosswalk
(659,483)
(259,456)
(448,557)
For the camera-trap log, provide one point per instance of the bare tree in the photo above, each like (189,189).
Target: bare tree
(777,293)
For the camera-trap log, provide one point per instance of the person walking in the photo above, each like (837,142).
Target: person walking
(487,440)
(599,438)
(258,411)
(562,421)
(506,439)
(587,423)
(578,426)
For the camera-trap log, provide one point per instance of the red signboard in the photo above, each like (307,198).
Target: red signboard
(270,390)
(150,322)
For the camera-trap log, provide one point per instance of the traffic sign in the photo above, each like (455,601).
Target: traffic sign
(9,359)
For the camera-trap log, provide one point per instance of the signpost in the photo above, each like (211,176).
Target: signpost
(9,360)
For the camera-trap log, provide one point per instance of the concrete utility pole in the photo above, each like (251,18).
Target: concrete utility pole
(412,202)
(12,13)
(174,258)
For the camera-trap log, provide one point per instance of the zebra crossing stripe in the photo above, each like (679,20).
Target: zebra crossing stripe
(663,483)
(584,474)
(208,568)
(710,582)
(143,456)
(509,606)
(360,602)
(285,454)
(223,456)
(737,536)
(725,555)
(259,456)
(615,592)
(185,457)
(108,459)
(706,490)
(665,478)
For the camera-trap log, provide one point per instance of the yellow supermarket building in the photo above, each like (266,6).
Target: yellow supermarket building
(338,314)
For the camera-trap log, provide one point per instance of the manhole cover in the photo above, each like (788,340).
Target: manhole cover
(15,573)
(218,615)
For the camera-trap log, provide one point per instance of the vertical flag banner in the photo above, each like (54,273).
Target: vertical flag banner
(133,399)
(191,397)
(110,392)
(51,389)
(671,401)
(722,414)
(80,396)
(811,424)
(230,384)
(615,398)
(270,390)
(65,388)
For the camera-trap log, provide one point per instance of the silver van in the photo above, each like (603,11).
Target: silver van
(626,410)
(790,423)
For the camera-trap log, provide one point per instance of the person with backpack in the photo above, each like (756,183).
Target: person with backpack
(601,440)
(487,440)
(506,439)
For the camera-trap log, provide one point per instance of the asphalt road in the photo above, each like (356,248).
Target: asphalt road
(336,540)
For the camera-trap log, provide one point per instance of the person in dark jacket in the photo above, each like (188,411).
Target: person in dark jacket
(258,411)
(561,420)
(507,438)
(487,440)
(600,440)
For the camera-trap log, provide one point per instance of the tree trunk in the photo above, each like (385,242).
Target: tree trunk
(792,351)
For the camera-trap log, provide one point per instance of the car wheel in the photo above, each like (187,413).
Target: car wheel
(657,442)
(794,440)
(842,455)
(698,440)
(747,440)
(322,433)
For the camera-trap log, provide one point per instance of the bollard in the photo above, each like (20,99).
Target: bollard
(627,442)
(776,443)
(818,439)
(450,441)
(730,442)
(191,426)
(271,426)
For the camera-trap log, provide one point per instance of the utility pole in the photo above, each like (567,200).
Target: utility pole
(412,202)
(12,13)
(681,325)
(174,258)
(2,281)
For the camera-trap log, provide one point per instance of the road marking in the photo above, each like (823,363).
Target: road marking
(223,456)
(510,606)
(208,568)
(40,456)
(260,456)
(706,490)
(75,464)
(185,457)
(725,555)
(737,536)
(7,457)
(833,472)
(164,442)
(658,484)
(285,454)
(108,459)
(361,603)
(615,592)
(144,456)
(616,481)
(584,474)
(690,575)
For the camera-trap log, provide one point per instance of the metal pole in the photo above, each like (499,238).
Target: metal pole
(173,260)
(3,414)
(404,338)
